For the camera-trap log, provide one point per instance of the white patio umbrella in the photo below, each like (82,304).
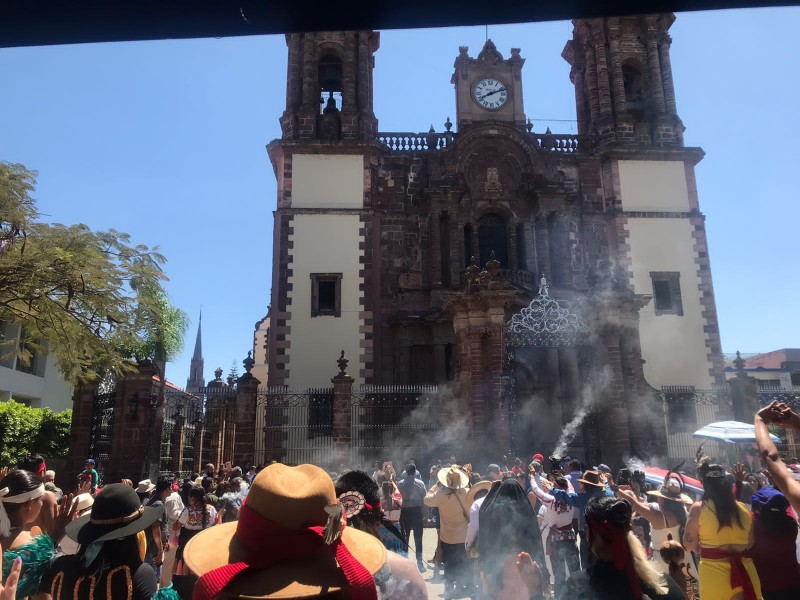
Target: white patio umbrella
(731,431)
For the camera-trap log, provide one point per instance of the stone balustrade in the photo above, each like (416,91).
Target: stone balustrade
(421,142)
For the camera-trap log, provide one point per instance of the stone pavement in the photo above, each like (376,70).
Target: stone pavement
(435,588)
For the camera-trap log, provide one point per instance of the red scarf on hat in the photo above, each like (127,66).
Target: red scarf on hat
(268,544)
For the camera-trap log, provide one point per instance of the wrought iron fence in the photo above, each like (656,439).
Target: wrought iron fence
(294,426)
(686,410)
(198,429)
(102,428)
(398,423)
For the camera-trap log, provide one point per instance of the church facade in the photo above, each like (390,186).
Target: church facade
(414,252)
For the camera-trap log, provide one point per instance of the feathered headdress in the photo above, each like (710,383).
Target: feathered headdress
(704,466)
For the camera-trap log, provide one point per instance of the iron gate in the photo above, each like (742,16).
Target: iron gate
(398,423)
(686,410)
(295,426)
(197,429)
(102,427)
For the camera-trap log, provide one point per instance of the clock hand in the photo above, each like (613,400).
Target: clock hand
(492,92)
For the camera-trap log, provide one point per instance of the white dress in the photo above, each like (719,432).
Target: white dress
(659,536)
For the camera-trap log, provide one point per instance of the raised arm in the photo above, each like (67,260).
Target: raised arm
(782,415)
(654,517)
(538,492)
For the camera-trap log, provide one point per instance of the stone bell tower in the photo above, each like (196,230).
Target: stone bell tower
(329,86)
(622,73)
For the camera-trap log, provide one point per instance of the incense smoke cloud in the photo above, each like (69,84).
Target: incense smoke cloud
(590,394)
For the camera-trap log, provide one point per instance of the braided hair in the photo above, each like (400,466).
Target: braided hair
(199,494)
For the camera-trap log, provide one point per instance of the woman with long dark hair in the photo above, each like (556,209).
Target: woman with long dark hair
(773,551)
(620,569)
(720,529)
(110,563)
(361,498)
(196,516)
(507,528)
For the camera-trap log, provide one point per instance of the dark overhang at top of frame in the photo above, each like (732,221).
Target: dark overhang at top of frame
(47,22)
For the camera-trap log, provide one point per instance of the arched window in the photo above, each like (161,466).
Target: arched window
(330,81)
(634,88)
(493,236)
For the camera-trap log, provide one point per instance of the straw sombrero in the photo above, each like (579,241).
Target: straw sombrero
(476,489)
(279,545)
(453,478)
(592,478)
(672,489)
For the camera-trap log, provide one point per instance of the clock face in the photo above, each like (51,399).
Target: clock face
(490,93)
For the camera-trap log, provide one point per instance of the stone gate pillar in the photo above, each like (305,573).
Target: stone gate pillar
(744,393)
(479,318)
(79,435)
(244,446)
(629,413)
(137,428)
(342,414)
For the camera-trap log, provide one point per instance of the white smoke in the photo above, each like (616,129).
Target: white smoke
(591,392)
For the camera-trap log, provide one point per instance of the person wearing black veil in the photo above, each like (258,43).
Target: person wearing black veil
(508,531)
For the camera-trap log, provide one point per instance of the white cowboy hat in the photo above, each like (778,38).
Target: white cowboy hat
(145,487)
(83,501)
(453,478)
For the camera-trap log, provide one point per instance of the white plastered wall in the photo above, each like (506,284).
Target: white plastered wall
(325,242)
(674,347)
(327,181)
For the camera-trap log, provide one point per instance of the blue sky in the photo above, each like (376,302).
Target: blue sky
(165,140)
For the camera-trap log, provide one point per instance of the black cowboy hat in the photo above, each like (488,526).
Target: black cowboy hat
(116,513)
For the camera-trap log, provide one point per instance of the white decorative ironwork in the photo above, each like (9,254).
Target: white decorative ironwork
(544,322)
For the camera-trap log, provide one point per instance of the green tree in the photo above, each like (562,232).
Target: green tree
(32,430)
(93,295)
(159,329)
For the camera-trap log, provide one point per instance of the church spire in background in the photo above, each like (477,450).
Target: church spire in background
(196,381)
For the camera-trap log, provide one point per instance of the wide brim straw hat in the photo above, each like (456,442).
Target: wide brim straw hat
(293,498)
(593,478)
(476,489)
(116,513)
(671,489)
(145,487)
(453,478)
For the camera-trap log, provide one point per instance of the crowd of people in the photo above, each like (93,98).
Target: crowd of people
(548,528)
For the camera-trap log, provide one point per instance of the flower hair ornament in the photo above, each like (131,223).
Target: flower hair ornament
(352,502)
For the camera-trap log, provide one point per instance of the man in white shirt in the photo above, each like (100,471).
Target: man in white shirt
(475,497)
(173,506)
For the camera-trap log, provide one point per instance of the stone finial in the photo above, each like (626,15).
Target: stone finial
(248,362)
(493,265)
(529,126)
(218,374)
(342,362)
(472,272)
(739,363)
(544,287)
(448,125)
